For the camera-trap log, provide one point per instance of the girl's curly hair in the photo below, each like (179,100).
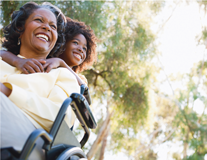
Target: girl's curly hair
(73,28)
(13,31)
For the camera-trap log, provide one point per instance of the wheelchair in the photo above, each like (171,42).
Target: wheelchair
(56,146)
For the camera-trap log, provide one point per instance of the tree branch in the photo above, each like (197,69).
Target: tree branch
(102,76)
(149,145)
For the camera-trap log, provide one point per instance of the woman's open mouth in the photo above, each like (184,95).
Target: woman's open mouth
(43,37)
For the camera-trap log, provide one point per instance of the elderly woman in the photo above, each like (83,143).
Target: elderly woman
(33,101)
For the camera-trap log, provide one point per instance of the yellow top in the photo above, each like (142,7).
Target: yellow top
(40,95)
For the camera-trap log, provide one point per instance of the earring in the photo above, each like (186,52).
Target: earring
(19,41)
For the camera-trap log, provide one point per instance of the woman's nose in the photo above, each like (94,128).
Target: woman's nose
(46,27)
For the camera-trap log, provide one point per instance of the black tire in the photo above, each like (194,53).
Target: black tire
(72,151)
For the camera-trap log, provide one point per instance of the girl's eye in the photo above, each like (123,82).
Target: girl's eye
(75,42)
(85,49)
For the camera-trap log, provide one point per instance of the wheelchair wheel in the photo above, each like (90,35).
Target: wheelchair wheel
(76,158)
(72,153)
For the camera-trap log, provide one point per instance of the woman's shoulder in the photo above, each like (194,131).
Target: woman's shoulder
(63,73)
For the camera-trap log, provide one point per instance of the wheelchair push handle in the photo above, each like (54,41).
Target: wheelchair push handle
(85,92)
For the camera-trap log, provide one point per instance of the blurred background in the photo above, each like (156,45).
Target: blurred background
(149,84)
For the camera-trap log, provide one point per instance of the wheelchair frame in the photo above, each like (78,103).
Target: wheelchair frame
(80,105)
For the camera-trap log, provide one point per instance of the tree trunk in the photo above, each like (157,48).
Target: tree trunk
(99,138)
(185,147)
(104,143)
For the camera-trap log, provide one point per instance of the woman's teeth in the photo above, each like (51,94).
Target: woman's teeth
(42,36)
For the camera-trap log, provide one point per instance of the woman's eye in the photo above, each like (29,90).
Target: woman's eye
(53,27)
(38,20)
(75,42)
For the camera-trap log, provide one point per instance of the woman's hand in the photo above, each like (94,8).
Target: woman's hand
(28,66)
(53,63)
(4,89)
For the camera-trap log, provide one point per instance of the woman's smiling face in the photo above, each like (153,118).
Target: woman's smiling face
(40,34)
(75,51)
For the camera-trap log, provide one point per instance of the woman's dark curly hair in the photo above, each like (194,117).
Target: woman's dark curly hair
(13,31)
(73,28)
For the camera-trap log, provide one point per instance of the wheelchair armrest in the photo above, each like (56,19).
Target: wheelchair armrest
(30,143)
(84,109)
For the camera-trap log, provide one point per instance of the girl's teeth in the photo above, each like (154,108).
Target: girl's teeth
(77,55)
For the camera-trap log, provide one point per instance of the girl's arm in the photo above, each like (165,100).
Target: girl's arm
(57,62)
(32,65)
(25,65)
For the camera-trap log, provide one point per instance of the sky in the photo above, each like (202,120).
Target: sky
(178,49)
(178,43)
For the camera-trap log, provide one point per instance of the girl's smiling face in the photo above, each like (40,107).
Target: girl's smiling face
(75,51)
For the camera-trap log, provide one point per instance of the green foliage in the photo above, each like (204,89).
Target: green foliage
(150,155)
(7,8)
(195,156)
(204,34)
(203,3)
(156,6)
(193,126)
(176,156)
(90,12)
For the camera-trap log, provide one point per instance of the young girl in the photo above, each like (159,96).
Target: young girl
(79,53)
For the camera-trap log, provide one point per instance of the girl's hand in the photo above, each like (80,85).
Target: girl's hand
(28,66)
(53,63)
(25,65)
